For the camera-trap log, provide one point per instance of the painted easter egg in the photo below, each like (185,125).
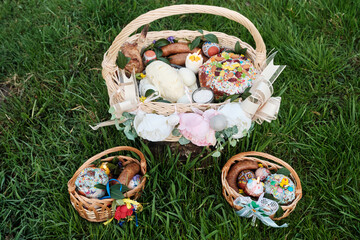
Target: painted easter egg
(210,48)
(149,55)
(243,178)
(262,173)
(281,187)
(134,182)
(88,178)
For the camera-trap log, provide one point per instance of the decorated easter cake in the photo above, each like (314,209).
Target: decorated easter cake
(227,73)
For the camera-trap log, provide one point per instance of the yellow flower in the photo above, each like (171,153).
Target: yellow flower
(142,75)
(241,191)
(142,99)
(260,165)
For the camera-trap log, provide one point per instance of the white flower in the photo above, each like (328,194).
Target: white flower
(236,116)
(152,127)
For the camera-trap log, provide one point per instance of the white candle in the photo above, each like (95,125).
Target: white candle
(194,61)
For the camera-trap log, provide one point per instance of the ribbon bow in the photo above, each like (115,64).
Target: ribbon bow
(260,105)
(261,210)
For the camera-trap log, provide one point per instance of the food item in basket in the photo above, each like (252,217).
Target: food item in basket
(244,177)
(175,48)
(134,182)
(131,50)
(203,95)
(166,79)
(148,56)
(281,187)
(254,187)
(236,169)
(178,59)
(210,48)
(236,116)
(88,178)
(129,171)
(262,173)
(227,73)
(194,61)
(154,127)
(188,76)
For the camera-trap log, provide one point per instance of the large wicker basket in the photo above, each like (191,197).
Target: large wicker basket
(96,210)
(230,194)
(110,70)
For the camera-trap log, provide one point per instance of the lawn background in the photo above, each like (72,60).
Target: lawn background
(52,90)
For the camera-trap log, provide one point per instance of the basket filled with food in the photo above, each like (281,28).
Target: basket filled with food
(261,186)
(106,187)
(200,87)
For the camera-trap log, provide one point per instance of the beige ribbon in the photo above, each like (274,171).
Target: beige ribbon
(260,105)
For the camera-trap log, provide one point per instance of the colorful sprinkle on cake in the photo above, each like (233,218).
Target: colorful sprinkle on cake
(227,73)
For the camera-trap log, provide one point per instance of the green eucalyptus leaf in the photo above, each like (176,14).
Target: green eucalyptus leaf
(130,135)
(243,51)
(113,205)
(111,109)
(184,141)
(128,115)
(233,142)
(200,31)
(195,43)
(211,37)
(216,154)
(122,60)
(271,197)
(161,43)
(162,100)
(119,202)
(176,132)
(283,171)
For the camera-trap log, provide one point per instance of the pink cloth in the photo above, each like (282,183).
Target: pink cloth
(196,128)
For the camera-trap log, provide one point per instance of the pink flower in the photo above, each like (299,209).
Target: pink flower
(196,128)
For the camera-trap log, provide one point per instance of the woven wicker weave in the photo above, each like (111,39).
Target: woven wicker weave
(110,70)
(230,194)
(96,210)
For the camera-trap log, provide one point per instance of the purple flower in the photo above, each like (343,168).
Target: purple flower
(154,41)
(171,39)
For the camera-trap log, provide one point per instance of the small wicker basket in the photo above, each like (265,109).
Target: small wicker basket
(96,210)
(110,70)
(230,194)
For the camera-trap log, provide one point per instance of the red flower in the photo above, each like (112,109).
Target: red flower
(122,212)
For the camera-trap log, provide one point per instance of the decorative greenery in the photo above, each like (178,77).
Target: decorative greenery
(239,50)
(122,60)
(283,171)
(200,39)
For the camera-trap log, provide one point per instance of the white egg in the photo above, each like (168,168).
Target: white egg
(218,122)
(188,76)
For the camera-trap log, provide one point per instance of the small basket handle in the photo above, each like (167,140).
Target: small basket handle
(104,153)
(109,62)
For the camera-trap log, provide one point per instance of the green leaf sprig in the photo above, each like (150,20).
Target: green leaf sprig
(201,39)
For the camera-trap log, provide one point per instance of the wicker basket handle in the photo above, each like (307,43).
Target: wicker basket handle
(109,62)
(104,153)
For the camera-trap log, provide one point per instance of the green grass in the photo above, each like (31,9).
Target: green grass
(50,73)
